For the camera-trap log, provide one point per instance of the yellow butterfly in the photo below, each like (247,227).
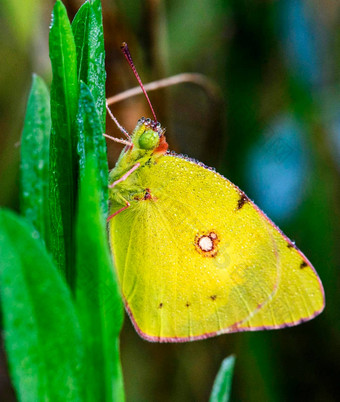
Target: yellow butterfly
(195,257)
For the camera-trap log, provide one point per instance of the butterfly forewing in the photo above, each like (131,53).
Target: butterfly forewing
(196,258)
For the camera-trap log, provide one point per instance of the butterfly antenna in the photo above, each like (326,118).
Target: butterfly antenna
(128,57)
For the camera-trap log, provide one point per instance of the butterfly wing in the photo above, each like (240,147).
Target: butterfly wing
(196,258)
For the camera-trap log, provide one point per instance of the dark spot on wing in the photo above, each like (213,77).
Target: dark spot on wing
(291,245)
(242,200)
(147,195)
(213,297)
(160,305)
(187,304)
(303,265)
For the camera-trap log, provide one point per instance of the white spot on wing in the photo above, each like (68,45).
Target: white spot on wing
(205,243)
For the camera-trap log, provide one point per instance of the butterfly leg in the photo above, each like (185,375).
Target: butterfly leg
(119,211)
(125,176)
(119,140)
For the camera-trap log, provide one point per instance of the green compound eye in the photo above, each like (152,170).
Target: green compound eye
(148,140)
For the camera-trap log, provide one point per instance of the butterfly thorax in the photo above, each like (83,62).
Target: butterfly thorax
(148,145)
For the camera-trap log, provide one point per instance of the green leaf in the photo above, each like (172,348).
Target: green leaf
(91,140)
(88,33)
(80,26)
(41,330)
(63,155)
(34,167)
(222,384)
(98,298)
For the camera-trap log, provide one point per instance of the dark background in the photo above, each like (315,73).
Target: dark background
(271,125)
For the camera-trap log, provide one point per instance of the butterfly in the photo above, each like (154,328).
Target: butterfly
(195,257)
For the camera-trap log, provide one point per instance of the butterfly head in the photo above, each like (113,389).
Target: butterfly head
(149,136)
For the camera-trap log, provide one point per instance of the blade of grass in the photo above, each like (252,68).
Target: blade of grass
(41,330)
(222,384)
(98,299)
(34,166)
(91,139)
(63,156)
(88,33)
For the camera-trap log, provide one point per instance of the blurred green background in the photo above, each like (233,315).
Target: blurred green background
(272,127)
